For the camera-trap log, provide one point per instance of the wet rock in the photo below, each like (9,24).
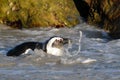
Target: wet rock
(31,13)
(104,13)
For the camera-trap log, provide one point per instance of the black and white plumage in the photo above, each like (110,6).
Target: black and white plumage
(53,46)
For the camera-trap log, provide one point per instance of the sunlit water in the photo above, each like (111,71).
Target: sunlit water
(94,57)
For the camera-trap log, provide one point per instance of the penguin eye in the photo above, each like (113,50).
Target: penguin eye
(59,40)
(56,40)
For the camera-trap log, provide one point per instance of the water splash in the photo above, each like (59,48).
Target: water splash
(68,58)
(70,46)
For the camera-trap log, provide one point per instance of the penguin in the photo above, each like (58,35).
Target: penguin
(54,46)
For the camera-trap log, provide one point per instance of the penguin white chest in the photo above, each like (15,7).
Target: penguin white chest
(55,51)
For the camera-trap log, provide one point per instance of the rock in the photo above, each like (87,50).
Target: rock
(37,13)
(104,13)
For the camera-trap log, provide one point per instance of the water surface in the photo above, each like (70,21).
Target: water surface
(99,58)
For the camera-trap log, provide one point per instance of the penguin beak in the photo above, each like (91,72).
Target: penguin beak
(66,41)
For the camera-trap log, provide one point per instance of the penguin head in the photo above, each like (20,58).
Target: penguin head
(55,45)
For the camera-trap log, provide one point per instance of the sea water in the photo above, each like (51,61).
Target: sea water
(92,56)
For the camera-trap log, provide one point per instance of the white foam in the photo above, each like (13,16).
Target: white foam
(89,60)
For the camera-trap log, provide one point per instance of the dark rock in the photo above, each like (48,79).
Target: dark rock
(104,13)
